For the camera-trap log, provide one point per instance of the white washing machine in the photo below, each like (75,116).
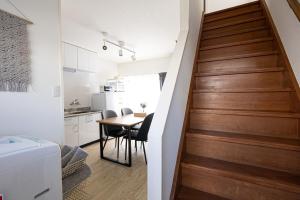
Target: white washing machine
(30,169)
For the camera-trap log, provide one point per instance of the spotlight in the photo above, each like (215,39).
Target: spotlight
(133,58)
(120,52)
(104,47)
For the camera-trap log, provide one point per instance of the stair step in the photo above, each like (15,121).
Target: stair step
(259,151)
(186,193)
(267,79)
(242,35)
(239,8)
(263,141)
(240,71)
(235,28)
(232,14)
(236,48)
(251,13)
(251,90)
(239,43)
(207,28)
(260,123)
(258,61)
(260,177)
(247,113)
(237,32)
(244,55)
(252,101)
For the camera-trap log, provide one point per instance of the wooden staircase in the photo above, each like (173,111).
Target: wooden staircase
(242,138)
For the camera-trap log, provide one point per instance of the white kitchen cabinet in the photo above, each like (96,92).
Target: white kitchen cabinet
(88,128)
(70,56)
(71,131)
(83,59)
(94,62)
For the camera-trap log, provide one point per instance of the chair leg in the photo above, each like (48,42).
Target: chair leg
(105,142)
(118,140)
(125,148)
(144,152)
(122,140)
(135,146)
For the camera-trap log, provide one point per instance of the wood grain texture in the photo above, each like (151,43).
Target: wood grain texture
(113,182)
(243,141)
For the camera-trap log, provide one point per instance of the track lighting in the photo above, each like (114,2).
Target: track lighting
(120,44)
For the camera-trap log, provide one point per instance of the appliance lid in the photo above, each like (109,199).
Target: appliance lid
(13,144)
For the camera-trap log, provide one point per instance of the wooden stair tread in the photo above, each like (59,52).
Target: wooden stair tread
(239,71)
(246,173)
(236,43)
(236,14)
(251,90)
(247,55)
(254,140)
(231,8)
(213,36)
(247,113)
(186,193)
(233,23)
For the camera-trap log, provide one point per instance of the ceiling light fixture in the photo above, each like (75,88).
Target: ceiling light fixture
(104,46)
(121,45)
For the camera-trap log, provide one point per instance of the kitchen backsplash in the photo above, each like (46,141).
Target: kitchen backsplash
(80,85)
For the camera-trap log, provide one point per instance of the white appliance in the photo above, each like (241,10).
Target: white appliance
(30,169)
(108,101)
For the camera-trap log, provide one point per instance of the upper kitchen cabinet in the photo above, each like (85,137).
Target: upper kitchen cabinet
(94,62)
(70,56)
(83,59)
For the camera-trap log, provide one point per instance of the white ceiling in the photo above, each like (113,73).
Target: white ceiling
(149,26)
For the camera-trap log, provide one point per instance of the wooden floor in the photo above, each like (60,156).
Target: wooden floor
(110,181)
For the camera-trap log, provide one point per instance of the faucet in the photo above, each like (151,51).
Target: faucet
(75,102)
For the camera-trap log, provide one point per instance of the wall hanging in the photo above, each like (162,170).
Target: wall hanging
(15,71)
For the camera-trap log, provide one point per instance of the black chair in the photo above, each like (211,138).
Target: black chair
(112,131)
(126,111)
(141,135)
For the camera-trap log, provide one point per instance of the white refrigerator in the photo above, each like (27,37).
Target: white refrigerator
(108,101)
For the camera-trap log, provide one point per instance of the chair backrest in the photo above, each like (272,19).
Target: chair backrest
(143,131)
(110,128)
(126,111)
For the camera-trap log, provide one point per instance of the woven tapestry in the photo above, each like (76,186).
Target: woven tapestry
(15,71)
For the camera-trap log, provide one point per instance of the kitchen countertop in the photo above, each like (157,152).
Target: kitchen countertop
(67,115)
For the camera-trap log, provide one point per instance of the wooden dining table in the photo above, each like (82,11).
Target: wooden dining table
(127,121)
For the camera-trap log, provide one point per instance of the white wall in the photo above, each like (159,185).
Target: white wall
(215,5)
(37,113)
(153,66)
(81,85)
(165,131)
(288,28)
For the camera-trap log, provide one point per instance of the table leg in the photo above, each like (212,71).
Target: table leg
(129,146)
(101,141)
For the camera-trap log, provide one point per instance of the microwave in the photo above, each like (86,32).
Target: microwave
(105,88)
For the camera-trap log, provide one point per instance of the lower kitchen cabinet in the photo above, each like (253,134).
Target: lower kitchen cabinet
(88,128)
(71,131)
(82,129)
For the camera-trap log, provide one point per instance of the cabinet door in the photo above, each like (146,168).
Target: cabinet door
(94,62)
(70,56)
(83,59)
(71,131)
(88,131)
